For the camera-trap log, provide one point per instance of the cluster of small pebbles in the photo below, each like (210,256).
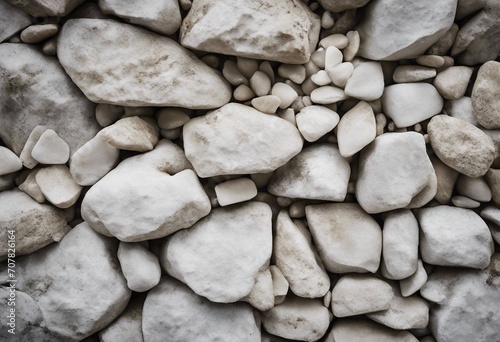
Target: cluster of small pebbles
(264,171)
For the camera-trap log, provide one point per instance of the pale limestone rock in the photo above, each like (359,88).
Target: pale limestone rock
(42,8)
(37,33)
(486,95)
(452,82)
(50,149)
(58,186)
(414,282)
(315,121)
(128,326)
(412,73)
(362,329)
(366,82)
(140,267)
(132,133)
(261,296)
(12,20)
(9,161)
(474,188)
(356,129)
(235,191)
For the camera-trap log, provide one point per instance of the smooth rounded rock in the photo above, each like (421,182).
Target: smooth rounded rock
(486,95)
(140,267)
(50,149)
(315,121)
(474,188)
(452,82)
(132,134)
(58,186)
(412,73)
(366,82)
(10,162)
(235,191)
(356,129)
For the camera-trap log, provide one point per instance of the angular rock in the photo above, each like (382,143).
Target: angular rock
(453,236)
(315,121)
(132,134)
(140,267)
(265,142)
(318,172)
(36,225)
(298,260)
(362,329)
(356,129)
(71,283)
(128,326)
(220,256)
(410,103)
(172,312)
(297,319)
(283,31)
(35,90)
(12,20)
(460,145)
(359,294)
(41,8)
(392,171)
(25,156)
(58,186)
(486,95)
(162,16)
(347,238)
(366,82)
(10,162)
(139,200)
(120,64)
(50,149)
(452,82)
(419,25)
(467,303)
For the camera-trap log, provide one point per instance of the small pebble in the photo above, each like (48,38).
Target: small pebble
(58,186)
(333,57)
(452,83)
(50,47)
(338,40)
(431,61)
(140,267)
(315,121)
(107,114)
(318,58)
(267,68)
(266,104)
(327,95)
(366,82)
(260,83)
(286,94)
(321,78)
(30,186)
(50,149)
(235,191)
(9,161)
(327,20)
(464,202)
(294,72)
(26,158)
(36,33)
(243,93)
(412,73)
(339,74)
(170,118)
(351,50)
(414,282)
(233,75)
(288,115)
(247,66)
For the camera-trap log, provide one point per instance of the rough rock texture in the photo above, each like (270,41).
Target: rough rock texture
(36,225)
(133,134)
(44,8)
(392,171)
(454,237)
(139,200)
(393,30)
(12,20)
(76,283)
(241,235)
(486,95)
(284,31)
(460,145)
(265,142)
(128,326)
(34,90)
(121,64)
(362,329)
(467,303)
(172,312)
(317,172)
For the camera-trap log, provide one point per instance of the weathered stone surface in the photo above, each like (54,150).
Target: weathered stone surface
(283,31)
(34,90)
(337,6)
(419,25)
(12,20)
(362,329)
(121,64)
(128,326)
(486,95)
(266,142)
(43,8)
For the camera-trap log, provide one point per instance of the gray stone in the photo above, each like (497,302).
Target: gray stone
(362,329)
(486,95)
(43,8)
(128,326)
(12,20)
(337,6)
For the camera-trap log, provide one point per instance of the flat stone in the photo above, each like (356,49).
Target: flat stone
(37,33)
(162,16)
(265,142)
(10,161)
(474,188)
(286,31)
(36,225)
(173,312)
(362,329)
(12,20)
(139,200)
(25,156)
(392,171)
(492,216)
(235,191)
(62,277)
(347,238)
(41,8)
(486,95)
(297,259)
(280,284)
(453,236)
(128,325)
(297,319)
(452,82)
(318,172)
(58,186)
(293,72)
(461,145)
(35,90)
(30,187)
(412,73)
(465,202)
(469,296)
(358,294)
(151,70)
(446,179)
(132,133)
(356,129)
(50,149)
(327,95)
(400,245)
(220,256)
(140,267)
(410,103)
(366,82)
(419,25)
(285,93)
(170,118)
(266,104)
(315,121)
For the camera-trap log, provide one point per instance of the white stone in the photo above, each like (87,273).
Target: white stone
(261,296)
(243,93)
(265,142)
(34,34)
(461,109)
(297,319)
(347,238)
(50,149)
(285,93)
(333,57)
(280,284)
(170,118)
(140,267)
(474,188)
(337,6)
(410,103)
(400,245)
(172,312)
(452,82)
(107,114)
(247,66)
(266,104)
(127,326)
(453,236)
(283,31)
(132,134)
(297,259)
(235,191)
(93,161)
(426,194)
(30,187)
(315,121)
(366,82)
(356,129)
(340,73)
(392,171)
(260,83)
(321,78)
(396,30)
(40,8)
(36,225)
(232,74)
(318,57)
(362,329)
(327,95)
(294,72)
(337,40)
(351,50)
(162,16)
(358,294)
(25,156)
(12,20)
(9,161)
(414,282)
(267,68)
(150,70)
(468,303)
(139,200)
(58,186)
(318,172)
(431,61)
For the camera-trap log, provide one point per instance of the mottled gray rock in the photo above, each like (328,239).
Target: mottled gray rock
(362,329)
(125,65)
(12,20)
(486,95)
